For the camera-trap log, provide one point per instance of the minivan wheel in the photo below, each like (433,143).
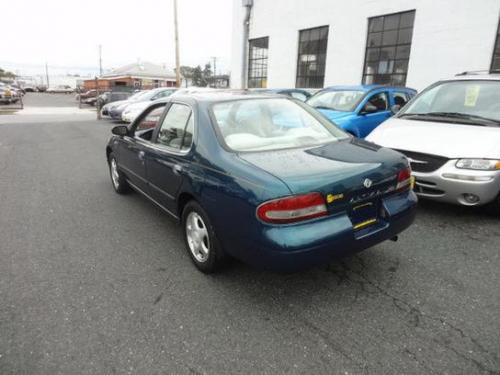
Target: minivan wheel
(118,179)
(200,239)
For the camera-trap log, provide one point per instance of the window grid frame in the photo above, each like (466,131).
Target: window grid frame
(495,56)
(318,80)
(394,60)
(257,66)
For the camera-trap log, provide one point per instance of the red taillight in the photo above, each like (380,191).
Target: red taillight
(404,179)
(292,209)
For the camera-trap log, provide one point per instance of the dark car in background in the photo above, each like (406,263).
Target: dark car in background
(265,179)
(109,97)
(86,95)
(360,109)
(115,111)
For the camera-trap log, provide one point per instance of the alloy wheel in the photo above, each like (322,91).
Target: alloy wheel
(115,177)
(197,237)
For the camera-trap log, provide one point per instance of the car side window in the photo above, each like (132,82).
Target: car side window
(176,130)
(149,122)
(400,98)
(379,101)
(162,94)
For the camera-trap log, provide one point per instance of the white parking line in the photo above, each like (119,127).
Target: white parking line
(54,111)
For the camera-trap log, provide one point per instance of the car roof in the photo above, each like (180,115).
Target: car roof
(473,76)
(219,96)
(364,88)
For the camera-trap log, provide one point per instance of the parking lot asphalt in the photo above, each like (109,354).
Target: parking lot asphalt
(92,282)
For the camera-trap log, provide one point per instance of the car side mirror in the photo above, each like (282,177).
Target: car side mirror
(395,108)
(120,130)
(368,108)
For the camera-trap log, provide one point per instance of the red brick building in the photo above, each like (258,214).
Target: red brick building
(141,75)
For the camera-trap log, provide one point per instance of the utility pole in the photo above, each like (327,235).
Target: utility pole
(100,60)
(215,71)
(177,63)
(47,74)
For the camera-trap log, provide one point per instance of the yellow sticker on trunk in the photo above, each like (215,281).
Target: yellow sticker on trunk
(330,198)
(471,95)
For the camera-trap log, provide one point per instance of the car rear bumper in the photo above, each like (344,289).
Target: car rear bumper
(458,186)
(289,248)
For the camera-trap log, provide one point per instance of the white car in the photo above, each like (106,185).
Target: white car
(134,108)
(61,89)
(450,133)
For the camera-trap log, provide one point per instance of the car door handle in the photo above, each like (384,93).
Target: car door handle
(177,169)
(141,155)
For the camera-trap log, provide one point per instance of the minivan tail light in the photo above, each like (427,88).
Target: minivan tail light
(404,179)
(292,209)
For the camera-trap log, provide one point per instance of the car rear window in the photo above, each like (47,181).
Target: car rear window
(271,124)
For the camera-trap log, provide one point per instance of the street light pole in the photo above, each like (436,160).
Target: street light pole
(177,63)
(47,74)
(100,60)
(215,71)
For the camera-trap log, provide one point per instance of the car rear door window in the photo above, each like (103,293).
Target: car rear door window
(176,130)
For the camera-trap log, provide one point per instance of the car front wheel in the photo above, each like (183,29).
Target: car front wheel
(494,207)
(118,179)
(201,242)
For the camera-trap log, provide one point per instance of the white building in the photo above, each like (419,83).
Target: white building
(317,43)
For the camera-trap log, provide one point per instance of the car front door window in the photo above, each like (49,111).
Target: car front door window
(146,125)
(176,130)
(378,102)
(400,98)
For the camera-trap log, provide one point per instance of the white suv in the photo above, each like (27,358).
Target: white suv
(450,133)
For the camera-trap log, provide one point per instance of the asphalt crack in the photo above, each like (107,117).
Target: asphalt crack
(416,315)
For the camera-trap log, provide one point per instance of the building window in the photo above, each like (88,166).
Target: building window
(257,62)
(495,61)
(388,47)
(312,57)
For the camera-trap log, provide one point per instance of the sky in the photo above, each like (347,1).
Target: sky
(66,34)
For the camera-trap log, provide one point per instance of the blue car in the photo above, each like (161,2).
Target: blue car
(243,185)
(360,109)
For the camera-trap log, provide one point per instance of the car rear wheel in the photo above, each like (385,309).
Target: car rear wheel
(201,242)
(118,179)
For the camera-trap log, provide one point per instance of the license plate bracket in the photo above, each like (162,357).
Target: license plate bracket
(364,214)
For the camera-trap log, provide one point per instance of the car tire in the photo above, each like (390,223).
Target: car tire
(118,179)
(201,242)
(494,206)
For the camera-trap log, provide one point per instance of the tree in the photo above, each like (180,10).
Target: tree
(197,77)
(187,73)
(207,74)
(6,74)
